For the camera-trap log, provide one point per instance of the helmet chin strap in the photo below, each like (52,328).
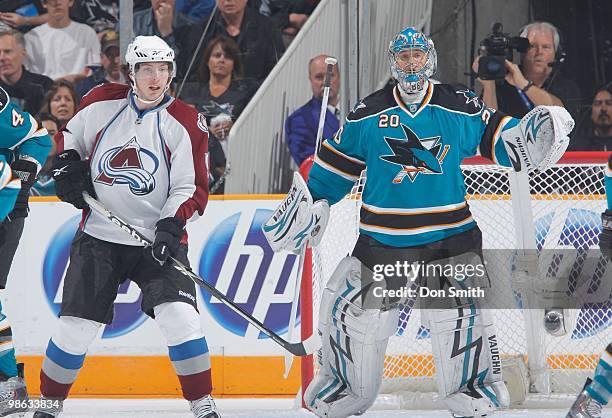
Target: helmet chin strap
(145,101)
(417,97)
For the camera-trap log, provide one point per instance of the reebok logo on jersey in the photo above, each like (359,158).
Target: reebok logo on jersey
(187,295)
(415,155)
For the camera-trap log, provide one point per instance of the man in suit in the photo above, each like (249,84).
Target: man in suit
(301,126)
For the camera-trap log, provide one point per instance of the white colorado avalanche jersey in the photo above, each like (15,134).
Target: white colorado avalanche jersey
(145,165)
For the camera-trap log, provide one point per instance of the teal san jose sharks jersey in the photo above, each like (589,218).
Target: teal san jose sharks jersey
(415,191)
(20,134)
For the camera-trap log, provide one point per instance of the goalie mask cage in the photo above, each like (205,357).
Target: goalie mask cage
(556,208)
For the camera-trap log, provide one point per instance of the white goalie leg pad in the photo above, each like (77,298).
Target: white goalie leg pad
(540,139)
(297,219)
(467,359)
(354,344)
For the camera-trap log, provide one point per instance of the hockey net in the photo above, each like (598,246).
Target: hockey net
(556,208)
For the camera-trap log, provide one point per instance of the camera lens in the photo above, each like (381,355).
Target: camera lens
(493,67)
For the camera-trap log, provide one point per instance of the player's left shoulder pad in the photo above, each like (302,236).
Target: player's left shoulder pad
(456,97)
(4,99)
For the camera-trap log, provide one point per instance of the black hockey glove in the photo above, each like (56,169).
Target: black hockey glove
(72,178)
(605,238)
(168,235)
(26,171)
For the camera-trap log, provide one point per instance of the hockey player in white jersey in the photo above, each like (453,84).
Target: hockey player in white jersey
(598,390)
(412,138)
(144,155)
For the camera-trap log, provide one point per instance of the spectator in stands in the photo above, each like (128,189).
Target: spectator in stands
(111,66)
(101,15)
(597,134)
(537,81)
(288,15)
(62,48)
(259,42)
(23,87)
(22,14)
(301,126)
(194,11)
(220,93)
(45,186)
(157,17)
(60,101)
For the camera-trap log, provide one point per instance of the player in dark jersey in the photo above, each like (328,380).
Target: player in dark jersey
(412,138)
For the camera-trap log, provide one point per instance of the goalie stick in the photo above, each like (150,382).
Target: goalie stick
(298,349)
(330,62)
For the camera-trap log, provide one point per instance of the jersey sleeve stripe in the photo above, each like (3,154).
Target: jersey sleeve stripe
(334,170)
(491,134)
(416,220)
(334,158)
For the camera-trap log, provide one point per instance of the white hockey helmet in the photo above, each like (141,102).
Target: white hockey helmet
(149,49)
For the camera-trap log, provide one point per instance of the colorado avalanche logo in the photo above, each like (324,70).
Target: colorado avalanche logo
(130,164)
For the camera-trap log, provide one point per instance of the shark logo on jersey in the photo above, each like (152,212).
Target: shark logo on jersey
(130,164)
(215,108)
(415,155)
(470,97)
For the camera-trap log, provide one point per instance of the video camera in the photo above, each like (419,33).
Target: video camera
(497,48)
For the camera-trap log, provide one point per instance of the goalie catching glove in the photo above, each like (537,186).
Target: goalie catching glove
(540,139)
(297,220)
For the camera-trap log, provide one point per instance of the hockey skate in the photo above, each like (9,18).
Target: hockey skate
(204,408)
(48,408)
(585,406)
(14,395)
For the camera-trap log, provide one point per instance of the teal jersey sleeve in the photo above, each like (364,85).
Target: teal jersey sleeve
(609,182)
(20,133)
(483,128)
(9,188)
(339,162)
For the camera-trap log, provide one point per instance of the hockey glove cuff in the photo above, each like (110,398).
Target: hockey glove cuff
(168,235)
(26,171)
(72,178)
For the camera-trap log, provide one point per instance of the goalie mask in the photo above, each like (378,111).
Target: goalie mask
(413,60)
(149,49)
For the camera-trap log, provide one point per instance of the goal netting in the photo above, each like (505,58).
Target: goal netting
(554,209)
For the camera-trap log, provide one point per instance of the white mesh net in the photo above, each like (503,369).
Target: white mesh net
(563,207)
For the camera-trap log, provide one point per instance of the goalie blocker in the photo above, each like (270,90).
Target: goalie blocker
(298,220)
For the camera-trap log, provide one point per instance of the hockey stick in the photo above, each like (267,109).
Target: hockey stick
(298,349)
(330,61)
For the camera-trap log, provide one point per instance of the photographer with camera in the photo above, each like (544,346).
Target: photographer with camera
(515,90)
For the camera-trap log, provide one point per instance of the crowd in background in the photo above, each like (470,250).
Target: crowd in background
(52,52)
